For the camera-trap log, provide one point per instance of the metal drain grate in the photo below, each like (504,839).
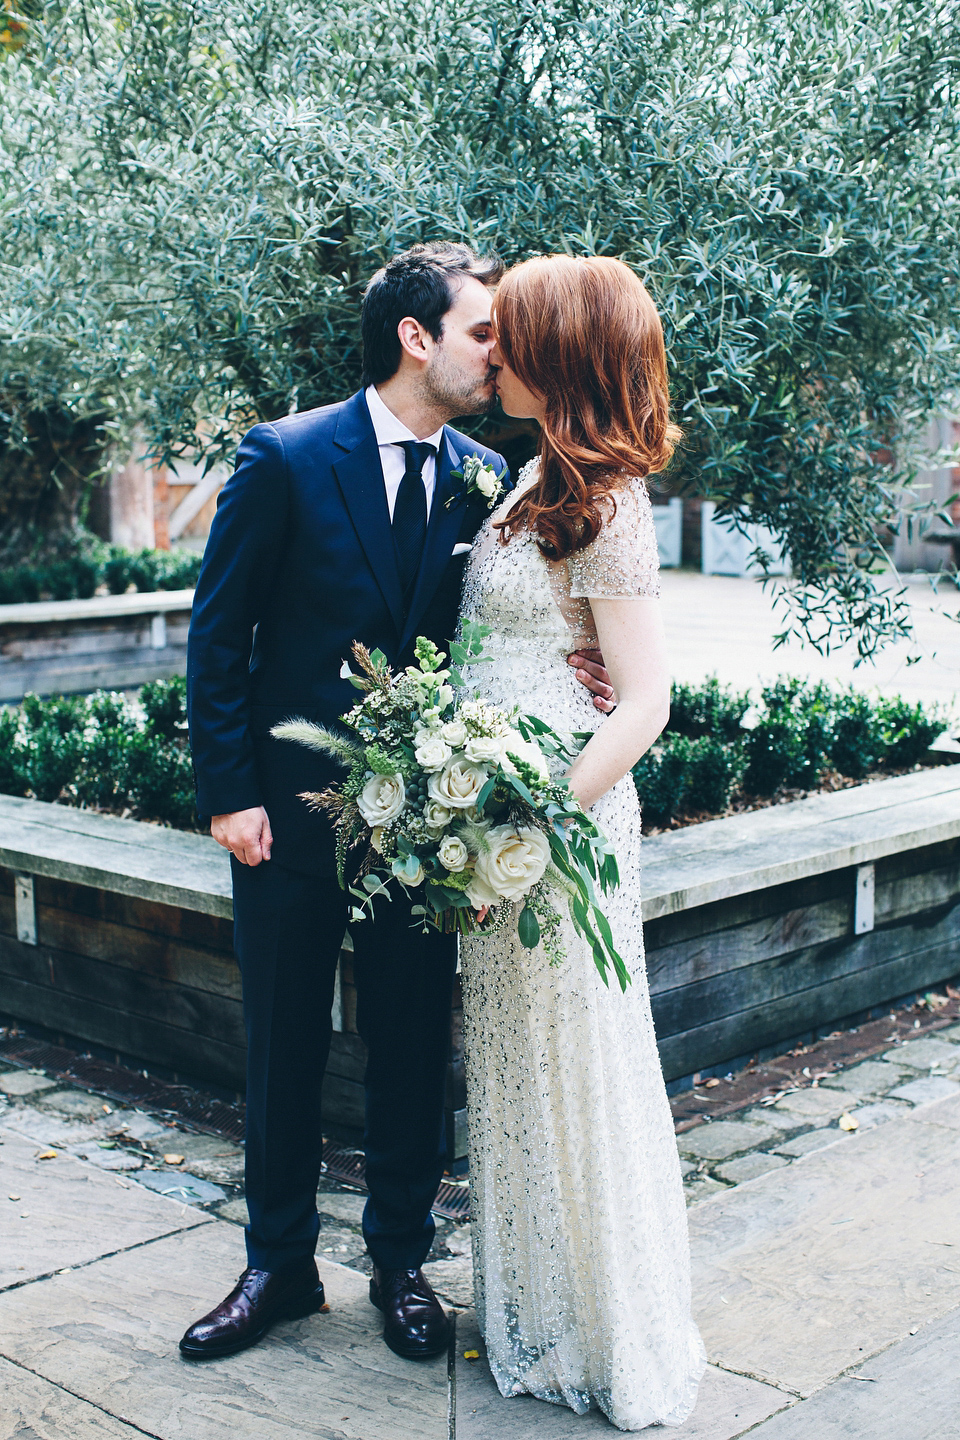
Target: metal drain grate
(203,1112)
(347,1167)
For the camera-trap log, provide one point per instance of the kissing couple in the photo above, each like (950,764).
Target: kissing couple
(354,522)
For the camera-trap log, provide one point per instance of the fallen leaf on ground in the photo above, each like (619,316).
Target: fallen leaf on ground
(471,1354)
(173,1159)
(711,1082)
(17,1197)
(848,1122)
(47,1155)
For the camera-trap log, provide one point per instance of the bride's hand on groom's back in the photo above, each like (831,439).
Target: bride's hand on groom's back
(591,674)
(245,833)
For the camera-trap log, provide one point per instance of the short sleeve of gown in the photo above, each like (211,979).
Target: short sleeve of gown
(623,559)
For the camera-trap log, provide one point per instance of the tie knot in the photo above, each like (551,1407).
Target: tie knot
(416,452)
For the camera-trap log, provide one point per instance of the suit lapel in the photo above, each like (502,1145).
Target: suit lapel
(360,477)
(446,516)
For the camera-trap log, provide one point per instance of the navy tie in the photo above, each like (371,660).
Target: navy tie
(410,514)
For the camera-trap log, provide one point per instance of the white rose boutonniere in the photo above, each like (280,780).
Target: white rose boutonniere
(479,478)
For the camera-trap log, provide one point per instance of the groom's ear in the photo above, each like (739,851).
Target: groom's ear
(416,342)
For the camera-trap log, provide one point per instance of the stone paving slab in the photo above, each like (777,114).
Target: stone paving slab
(109,1335)
(68,1213)
(726,1406)
(801,1273)
(33,1409)
(910,1392)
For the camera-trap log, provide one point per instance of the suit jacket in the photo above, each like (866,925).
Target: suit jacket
(300,563)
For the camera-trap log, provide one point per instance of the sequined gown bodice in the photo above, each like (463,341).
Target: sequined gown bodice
(581,1257)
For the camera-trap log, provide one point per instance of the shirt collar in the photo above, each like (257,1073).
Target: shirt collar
(388,429)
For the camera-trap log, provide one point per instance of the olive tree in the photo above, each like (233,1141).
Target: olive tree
(195,194)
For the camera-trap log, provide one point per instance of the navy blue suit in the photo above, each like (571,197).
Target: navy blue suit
(299,564)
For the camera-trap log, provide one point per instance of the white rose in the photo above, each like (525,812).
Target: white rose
(455,734)
(484,750)
(453,854)
(512,863)
(436,815)
(432,751)
(487,482)
(382,799)
(457,785)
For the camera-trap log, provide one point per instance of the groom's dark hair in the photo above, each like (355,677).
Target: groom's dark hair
(421,282)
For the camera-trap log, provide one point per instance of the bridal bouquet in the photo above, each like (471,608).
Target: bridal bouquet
(454,800)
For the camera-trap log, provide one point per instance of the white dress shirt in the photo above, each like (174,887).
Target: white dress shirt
(393,461)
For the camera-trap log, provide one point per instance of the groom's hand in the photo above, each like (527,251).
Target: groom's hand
(245,833)
(590,672)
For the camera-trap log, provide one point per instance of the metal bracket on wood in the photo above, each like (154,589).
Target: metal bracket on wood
(158,632)
(337,1009)
(26,909)
(863,899)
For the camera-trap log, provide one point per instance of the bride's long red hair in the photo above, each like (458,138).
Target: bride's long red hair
(584,333)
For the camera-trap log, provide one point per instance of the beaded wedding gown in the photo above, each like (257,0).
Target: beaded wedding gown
(581,1256)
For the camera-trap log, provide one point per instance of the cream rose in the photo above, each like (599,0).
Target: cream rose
(382,799)
(487,482)
(406,876)
(432,752)
(435,815)
(457,785)
(484,750)
(453,854)
(455,734)
(511,865)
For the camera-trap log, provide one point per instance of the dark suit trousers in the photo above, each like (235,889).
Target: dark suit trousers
(287,933)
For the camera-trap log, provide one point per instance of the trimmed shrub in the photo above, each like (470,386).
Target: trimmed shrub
(661,779)
(80,575)
(908,731)
(713,773)
(709,709)
(104,751)
(857,742)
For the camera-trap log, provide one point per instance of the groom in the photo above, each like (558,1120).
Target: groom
(339,524)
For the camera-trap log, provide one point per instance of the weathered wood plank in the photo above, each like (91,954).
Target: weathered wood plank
(195,1056)
(771,1022)
(153,602)
(197,1012)
(348,1057)
(715,951)
(160,956)
(722,858)
(209,932)
(736,990)
(342,1101)
(172,867)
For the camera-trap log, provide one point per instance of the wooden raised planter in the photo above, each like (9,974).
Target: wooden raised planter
(113,642)
(761,929)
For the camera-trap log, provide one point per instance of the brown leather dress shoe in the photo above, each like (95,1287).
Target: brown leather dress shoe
(415,1325)
(259,1298)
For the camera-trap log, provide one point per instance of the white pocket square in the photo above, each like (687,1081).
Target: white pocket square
(462,549)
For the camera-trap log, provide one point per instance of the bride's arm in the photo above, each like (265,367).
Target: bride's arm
(630,634)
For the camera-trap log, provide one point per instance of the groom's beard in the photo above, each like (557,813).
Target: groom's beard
(449,387)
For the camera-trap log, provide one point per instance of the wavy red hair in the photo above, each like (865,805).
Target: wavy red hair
(583,333)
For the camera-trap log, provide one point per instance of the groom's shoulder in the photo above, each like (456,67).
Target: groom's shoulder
(311,427)
(467,445)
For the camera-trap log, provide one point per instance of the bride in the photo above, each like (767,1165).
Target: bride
(580,1238)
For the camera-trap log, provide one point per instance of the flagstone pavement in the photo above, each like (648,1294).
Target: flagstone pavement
(826,1279)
